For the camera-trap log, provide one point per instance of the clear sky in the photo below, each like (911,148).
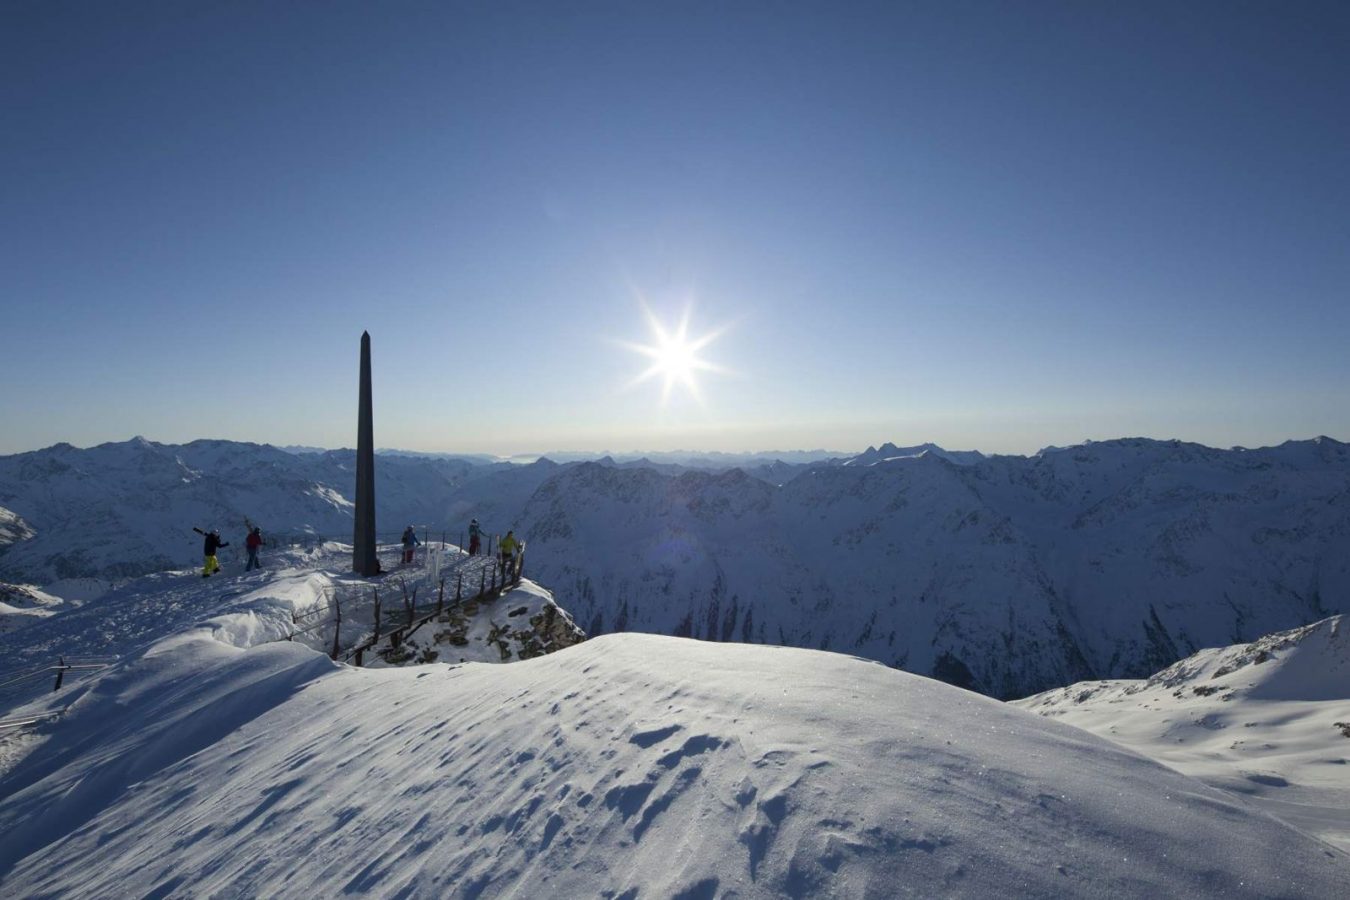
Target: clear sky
(989,225)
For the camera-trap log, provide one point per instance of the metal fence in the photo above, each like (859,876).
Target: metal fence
(389,547)
(345,611)
(29,681)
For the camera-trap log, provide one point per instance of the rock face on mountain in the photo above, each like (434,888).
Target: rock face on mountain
(520,623)
(1007,575)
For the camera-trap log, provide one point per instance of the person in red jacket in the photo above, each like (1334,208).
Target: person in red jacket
(253,542)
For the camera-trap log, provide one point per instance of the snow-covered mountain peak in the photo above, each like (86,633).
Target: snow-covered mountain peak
(889,452)
(1308,663)
(1269,719)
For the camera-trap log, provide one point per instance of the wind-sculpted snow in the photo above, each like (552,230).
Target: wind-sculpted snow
(1007,575)
(1269,719)
(630,766)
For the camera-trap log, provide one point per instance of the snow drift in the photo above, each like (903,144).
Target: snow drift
(1269,720)
(629,766)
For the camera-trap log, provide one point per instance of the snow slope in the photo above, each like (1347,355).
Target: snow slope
(629,766)
(124,509)
(20,605)
(291,597)
(1269,720)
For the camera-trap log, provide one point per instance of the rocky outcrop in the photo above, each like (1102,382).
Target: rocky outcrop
(521,623)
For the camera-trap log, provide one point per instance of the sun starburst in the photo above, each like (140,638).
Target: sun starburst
(674,356)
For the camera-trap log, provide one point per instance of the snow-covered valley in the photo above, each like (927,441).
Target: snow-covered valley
(213,759)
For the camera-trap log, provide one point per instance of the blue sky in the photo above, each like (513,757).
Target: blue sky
(988,225)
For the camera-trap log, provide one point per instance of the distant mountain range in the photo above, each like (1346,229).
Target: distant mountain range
(1005,574)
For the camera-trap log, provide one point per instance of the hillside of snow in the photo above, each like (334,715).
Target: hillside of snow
(1007,575)
(303,596)
(1269,720)
(206,762)
(124,509)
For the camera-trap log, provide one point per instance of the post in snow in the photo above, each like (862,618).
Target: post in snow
(364,559)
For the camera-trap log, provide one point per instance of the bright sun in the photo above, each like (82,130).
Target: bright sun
(674,356)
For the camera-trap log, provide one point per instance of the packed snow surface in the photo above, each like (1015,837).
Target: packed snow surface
(1269,719)
(631,766)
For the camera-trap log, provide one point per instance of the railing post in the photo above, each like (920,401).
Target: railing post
(359,654)
(440,598)
(482,583)
(60,673)
(459,587)
(337,626)
(377,613)
(409,603)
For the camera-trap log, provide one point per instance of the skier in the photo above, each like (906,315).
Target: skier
(508,547)
(253,542)
(410,541)
(210,545)
(475,537)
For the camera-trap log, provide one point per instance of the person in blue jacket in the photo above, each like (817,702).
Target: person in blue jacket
(410,542)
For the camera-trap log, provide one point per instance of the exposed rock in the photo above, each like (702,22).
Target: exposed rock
(521,623)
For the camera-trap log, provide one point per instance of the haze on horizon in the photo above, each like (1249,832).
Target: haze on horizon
(985,226)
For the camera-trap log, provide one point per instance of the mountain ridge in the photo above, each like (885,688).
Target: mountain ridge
(1007,575)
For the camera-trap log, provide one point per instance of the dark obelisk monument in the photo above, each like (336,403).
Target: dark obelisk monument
(364,561)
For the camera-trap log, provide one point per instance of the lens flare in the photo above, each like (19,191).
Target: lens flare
(674,356)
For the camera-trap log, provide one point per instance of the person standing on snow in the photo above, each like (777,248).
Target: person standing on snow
(210,545)
(253,542)
(508,547)
(475,537)
(410,541)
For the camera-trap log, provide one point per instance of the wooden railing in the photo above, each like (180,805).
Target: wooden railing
(397,624)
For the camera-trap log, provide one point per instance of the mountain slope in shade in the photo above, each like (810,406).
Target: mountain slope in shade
(120,510)
(1269,720)
(1007,575)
